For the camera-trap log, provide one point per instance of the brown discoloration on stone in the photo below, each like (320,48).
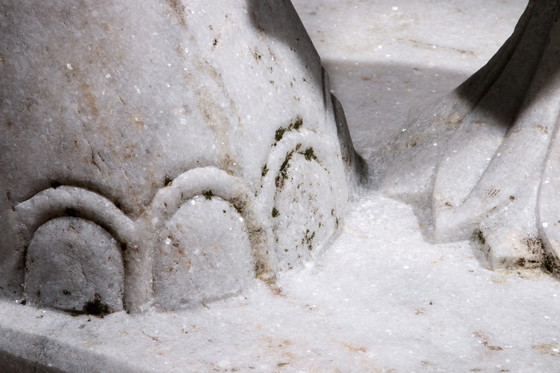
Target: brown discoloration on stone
(541,128)
(140,123)
(423,45)
(534,245)
(129,152)
(178,10)
(354,348)
(492,192)
(550,349)
(483,339)
(454,118)
(89,99)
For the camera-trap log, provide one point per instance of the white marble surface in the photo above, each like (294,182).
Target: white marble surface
(386,56)
(133,109)
(381,299)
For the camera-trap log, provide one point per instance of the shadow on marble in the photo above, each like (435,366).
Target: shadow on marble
(481,163)
(379,98)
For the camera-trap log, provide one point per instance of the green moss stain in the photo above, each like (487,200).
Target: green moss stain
(308,239)
(279,134)
(295,125)
(283,173)
(96,307)
(285,165)
(208,194)
(550,264)
(275,212)
(309,154)
(480,237)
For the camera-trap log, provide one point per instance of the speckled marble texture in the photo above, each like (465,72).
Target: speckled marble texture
(167,133)
(382,298)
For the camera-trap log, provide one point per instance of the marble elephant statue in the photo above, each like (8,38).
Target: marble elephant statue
(484,161)
(162,153)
